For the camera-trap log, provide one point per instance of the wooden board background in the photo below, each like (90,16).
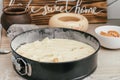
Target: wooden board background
(38,18)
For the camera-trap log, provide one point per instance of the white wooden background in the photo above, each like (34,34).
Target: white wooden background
(113,10)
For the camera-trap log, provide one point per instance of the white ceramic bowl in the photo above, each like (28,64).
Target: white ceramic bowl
(108,42)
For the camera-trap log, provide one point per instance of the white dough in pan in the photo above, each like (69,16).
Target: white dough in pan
(55,50)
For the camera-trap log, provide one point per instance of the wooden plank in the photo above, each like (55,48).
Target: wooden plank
(94,10)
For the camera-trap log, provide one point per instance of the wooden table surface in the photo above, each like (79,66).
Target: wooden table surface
(108,61)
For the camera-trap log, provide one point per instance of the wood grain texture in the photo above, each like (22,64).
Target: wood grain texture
(38,18)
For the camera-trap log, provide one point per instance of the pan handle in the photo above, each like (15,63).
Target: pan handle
(21,66)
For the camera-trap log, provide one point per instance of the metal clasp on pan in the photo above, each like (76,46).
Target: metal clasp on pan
(21,66)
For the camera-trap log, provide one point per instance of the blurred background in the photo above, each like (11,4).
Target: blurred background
(113,8)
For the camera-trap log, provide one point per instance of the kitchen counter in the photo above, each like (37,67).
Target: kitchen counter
(108,60)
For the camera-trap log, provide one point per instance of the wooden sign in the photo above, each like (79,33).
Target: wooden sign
(42,10)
